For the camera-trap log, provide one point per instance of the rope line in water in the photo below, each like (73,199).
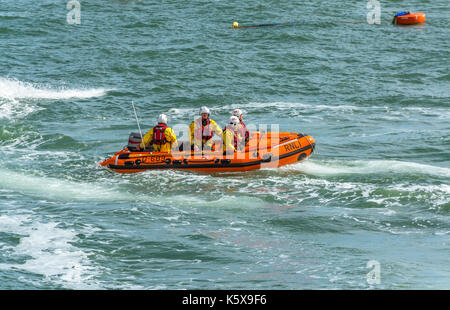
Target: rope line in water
(236,25)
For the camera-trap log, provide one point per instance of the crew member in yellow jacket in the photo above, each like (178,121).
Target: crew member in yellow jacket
(231,136)
(202,131)
(161,137)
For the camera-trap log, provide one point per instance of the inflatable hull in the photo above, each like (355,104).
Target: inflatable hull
(264,150)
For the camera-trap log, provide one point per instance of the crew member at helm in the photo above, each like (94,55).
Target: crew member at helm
(231,136)
(161,137)
(244,132)
(202,131)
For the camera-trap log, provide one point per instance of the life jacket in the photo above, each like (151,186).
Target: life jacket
(244,132)
(235,135)
(159,136)
(204,132)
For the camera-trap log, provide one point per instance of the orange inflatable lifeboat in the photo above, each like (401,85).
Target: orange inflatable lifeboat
(264,150)
(408,18)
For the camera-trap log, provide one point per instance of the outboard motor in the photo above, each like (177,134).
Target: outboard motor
(133,141)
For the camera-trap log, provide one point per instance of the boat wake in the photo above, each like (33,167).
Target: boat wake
(59,189)
(338,167)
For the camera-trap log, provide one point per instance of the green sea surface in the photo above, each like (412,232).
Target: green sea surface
(376,98)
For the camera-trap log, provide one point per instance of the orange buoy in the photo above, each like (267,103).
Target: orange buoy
(410,19)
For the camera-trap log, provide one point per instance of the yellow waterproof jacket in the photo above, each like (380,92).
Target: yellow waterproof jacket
(170,136)
(231,139)
(202,135)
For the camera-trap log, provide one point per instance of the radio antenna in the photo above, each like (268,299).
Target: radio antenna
(140,132)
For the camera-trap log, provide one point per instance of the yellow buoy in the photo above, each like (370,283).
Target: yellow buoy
(235,25)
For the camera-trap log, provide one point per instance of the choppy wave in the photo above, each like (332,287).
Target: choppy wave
(58,189)
(13,109)
(13,92)
(378,190)
(16,89)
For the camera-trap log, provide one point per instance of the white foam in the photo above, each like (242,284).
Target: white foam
(13,109)
(49,252)
(438,194)
(290,105)
(15,89)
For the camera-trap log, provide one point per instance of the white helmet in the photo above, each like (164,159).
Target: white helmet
(237,112)
(234,120)
(162,119)
(204,110)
